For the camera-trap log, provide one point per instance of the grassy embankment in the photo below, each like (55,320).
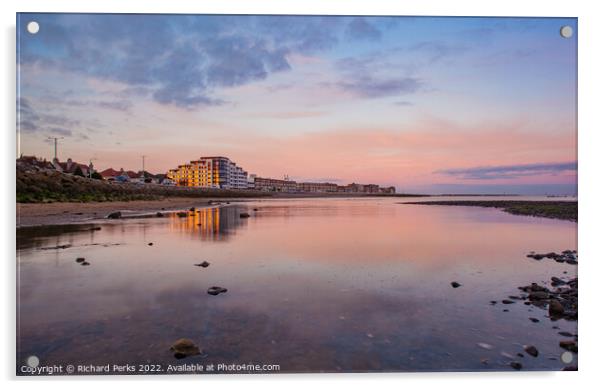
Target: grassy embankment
(52,186)
(565,210)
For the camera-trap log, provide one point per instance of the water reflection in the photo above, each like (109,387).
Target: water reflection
(313,285)
(209,223)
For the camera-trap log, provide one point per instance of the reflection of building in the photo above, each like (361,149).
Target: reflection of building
(210,223)
(274,185)
(210,172)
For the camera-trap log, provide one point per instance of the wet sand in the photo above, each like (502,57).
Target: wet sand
(38,214)
(59,213)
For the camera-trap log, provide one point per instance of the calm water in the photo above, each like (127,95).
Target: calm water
(313,285)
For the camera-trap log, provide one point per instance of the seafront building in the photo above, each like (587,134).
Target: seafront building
(317,187)
(275,185)
(210,172)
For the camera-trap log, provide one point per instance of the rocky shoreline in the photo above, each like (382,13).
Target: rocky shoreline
(560,301)
(563,210)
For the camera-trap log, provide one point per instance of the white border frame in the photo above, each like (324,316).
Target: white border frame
(590,193)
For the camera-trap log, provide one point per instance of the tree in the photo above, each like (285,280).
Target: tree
(96,176)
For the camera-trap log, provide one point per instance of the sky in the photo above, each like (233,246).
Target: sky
(428,105)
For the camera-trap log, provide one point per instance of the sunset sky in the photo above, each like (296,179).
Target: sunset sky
(431,105)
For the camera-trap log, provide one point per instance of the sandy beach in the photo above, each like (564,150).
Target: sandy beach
(36,214)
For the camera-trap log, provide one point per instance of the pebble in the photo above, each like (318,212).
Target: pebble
(516,365)
(184,347)
(531,350)
(215,290)
(455,284)
(568,345)
(202,264)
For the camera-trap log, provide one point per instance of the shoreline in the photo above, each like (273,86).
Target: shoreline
(66,213)
(560,210)
(63,213)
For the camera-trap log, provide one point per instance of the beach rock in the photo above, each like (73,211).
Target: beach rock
(215,290)
(85,263)
(159,214)
(455,284)
(202,264)
(114,215)
(531,350)
(150,243)
(557,281)
(244,215)
(192,209)
(534,320)
(555,309)
(184,347)
(538,257)
(539,295)
(182,214)
(507,302)
(255,209)
(516,365)
(80,260)
(493,302)
(568,345)
(565,333)
(571,262)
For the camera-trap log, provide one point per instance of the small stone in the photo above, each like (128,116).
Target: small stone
(493,302)
(507,302)
(557,281)
(192,209)
(85,263)
(183,348)
(255,209)
(506,310)
(570,368)
(215,290)
(182,214)
(150,243)
(531,350)
(534,320)
(539,295)
(516,365)
(159,214)
(244,215)
(568,345)
(555,309)
(455,284)
(565,333)
(202,264)
(80,260)
(114,215)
